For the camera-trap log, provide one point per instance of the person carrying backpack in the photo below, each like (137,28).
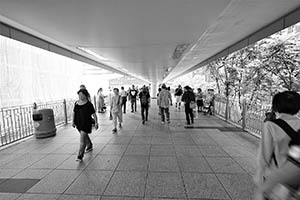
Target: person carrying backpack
(274,143)
(145,101)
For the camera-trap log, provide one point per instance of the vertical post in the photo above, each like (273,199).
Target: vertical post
(227,108)
(95,102)
(244,114)
(65,111)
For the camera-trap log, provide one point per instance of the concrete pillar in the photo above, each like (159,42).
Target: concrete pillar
(154,88)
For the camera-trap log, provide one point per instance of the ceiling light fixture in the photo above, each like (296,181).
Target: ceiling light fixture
(92,53)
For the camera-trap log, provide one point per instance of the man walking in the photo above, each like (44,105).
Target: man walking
(124,99)
(133,94)
(145,101)
(188,97)
(178,93)
(165,100)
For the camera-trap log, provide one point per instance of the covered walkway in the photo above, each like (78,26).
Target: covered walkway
(211,160)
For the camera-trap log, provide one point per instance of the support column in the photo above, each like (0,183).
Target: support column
(154,89)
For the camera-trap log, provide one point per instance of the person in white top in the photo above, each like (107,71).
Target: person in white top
(274,143)
(116,109)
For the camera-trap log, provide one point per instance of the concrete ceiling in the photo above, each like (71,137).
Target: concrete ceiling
(145,38)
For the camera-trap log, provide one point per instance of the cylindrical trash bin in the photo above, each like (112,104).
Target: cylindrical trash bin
(44,125)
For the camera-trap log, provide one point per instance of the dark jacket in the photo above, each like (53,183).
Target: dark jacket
(188,96)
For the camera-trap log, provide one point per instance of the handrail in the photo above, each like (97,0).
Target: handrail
(243,116)
(16,122)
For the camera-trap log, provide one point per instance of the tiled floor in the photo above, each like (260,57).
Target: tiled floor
(151,161)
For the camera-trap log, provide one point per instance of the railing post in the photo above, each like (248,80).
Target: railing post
(226,108)
(65,111)
(95,101)
(244,114)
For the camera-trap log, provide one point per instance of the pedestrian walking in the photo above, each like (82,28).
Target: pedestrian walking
(188,98)
(165,100)
(82,120)
(199,100)
(133,94)
(275,143)
(116,109)
(124,99)
(145,103)
(100,101)
(178,93)
(157,100)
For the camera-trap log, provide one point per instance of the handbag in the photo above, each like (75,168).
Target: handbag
(192,105)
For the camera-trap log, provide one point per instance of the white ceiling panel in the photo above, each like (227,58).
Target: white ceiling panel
(140,36)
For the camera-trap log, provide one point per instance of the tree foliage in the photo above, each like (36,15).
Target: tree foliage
(260,70)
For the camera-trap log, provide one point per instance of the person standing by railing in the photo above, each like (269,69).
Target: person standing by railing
(82,120)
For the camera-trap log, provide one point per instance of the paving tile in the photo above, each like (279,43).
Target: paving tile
(120,140)
(204,186)
(101,140)
(163,164)
(204,141)
(23,162)
(55,182)
(90,183)
(104,162)
(127,184)
(161,140)
(187,150)
(224,165)
(162,150)
(237,151)
(17,185)
(247,163)
(138,150)
(8,157)
(212,151)
(168,185)
(120,198)
(112,149)
(183,141)
(141,140)
(9,196)
(67,149)
(71,162)
(50,162)
(134,163)
(39,197)
(79,197)
(32,173)
(8,173)
(193,164)
(239,186)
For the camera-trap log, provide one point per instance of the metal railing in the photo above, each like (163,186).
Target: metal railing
(16,122)
(248,118)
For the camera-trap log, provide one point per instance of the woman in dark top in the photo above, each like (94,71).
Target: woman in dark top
(82,120)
